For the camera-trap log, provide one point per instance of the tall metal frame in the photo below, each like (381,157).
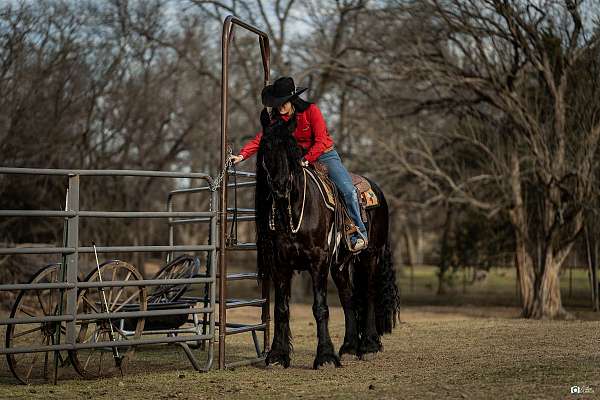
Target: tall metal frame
(263,41)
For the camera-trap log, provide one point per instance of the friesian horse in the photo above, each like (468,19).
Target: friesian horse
(293,234)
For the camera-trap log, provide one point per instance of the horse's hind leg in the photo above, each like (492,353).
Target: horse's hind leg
(325,351)
(370,341)
(282,345)
(344,286)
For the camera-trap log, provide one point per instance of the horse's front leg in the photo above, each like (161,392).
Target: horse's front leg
(325,351)
(282,346)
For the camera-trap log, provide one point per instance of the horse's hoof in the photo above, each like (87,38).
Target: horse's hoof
(348,357)
(368,356)
(277,359)
(323,359)
(348,352)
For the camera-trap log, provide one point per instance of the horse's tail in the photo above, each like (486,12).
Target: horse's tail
(387,293)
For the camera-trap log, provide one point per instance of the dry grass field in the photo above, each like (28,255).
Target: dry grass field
(435,353)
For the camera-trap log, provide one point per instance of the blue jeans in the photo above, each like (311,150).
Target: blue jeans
(340,176)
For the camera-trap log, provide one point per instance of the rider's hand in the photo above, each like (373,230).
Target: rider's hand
(303,162)
(236,159)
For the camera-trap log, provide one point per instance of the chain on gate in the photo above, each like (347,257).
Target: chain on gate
(233,233)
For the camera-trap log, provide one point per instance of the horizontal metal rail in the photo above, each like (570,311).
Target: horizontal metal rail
(35,320)
(112,315)
(37,286)
(205,188)
(139,314)
(241,246)
(104,172)
(241,276)
(242,210)
(109,249)
(143,282)
(106,214)
(246,328)
(108,345)
(37,213)
(196,220)
(246,303)
(243,174)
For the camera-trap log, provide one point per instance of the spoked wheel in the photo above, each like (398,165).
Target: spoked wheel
(180,268)
(36,367)
(105,360)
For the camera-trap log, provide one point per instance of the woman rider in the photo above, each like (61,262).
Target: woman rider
(311,133)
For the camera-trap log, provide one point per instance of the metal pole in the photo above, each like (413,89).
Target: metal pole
(213,285)
(227,29)
(72,258)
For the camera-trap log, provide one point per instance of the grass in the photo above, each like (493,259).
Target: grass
(436,352)
(498,288)
(459,345)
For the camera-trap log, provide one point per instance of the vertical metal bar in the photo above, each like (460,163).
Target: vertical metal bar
(72,258)
(227,29)
(170,255)
(213,275)
(62,275)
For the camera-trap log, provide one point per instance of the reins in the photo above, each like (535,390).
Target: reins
(289,208)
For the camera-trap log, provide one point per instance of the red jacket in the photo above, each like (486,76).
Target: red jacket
(310,125)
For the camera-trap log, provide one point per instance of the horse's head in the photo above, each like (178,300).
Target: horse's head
(279,154)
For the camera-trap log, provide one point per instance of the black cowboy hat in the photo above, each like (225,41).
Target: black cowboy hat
(282,90)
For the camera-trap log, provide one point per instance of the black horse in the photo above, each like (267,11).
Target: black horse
(293,234)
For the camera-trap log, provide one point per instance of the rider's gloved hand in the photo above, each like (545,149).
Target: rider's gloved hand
(303,162)
(236,159)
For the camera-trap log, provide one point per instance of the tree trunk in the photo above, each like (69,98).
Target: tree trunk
(526,276)
(410,246)
(446,251)
(523,259)
(548,303)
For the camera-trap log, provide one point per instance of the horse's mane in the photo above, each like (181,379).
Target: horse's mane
(277,138)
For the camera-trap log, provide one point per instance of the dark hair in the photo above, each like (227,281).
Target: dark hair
(299,104)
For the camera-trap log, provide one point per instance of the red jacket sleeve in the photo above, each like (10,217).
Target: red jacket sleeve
(322,139)
(251,146)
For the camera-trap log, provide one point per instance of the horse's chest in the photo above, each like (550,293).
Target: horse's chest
(297,255)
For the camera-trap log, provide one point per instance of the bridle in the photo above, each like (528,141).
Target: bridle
(288,190)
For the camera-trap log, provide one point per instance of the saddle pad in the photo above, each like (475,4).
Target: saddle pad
(325,187)
(367,196)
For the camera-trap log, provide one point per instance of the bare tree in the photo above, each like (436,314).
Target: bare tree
(510,133)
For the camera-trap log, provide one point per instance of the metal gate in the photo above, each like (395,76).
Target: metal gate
(216,250)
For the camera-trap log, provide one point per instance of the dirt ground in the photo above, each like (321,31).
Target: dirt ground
(436,352)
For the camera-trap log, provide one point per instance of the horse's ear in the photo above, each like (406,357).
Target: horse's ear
(265,119)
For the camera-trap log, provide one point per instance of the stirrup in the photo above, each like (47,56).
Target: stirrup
(360,243)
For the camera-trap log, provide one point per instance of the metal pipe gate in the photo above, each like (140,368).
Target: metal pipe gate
(71,249)
(225,245)
(217,248)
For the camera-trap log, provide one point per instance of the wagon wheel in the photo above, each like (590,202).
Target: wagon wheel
(180,268)
(100,361)
(36,367)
